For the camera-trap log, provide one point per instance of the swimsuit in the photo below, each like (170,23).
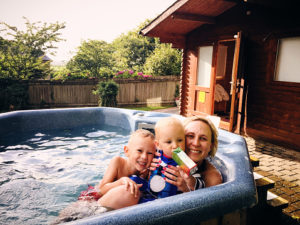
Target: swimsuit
(157,184)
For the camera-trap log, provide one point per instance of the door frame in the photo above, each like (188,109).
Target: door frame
(237,95)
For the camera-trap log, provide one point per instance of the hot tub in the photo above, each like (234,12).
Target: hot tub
(238,191)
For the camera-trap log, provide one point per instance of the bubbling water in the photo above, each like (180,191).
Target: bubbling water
(41,173)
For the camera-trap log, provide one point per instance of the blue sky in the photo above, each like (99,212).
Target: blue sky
(85,19)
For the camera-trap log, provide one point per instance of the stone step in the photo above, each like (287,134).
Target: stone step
(276,201)
(254,161)
(263,184)
(268,210)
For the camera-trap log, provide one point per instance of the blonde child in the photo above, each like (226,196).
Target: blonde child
(117,189)
(169,135)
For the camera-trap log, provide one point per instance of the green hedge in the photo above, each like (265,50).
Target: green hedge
(13,94)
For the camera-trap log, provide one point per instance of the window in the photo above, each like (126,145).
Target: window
(288,60)
(221,61)
(204,66)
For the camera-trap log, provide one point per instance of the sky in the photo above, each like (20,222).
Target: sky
(85,19)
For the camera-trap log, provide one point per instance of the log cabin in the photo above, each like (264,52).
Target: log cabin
(241,63)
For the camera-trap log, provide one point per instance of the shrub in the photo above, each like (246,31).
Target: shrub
(107,92)
(13,94)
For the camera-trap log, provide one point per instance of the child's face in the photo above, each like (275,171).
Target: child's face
(170,138)
(198,140)
(140,152)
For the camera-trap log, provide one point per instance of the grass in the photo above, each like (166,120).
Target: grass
(150,108)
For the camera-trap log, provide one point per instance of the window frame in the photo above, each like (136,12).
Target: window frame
(272,63)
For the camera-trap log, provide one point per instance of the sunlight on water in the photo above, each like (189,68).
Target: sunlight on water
(41,173)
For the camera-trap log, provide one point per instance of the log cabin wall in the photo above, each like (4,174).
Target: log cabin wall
(272,108)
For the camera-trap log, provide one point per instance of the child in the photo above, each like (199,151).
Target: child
(169,135)
(117,189)
(115,183)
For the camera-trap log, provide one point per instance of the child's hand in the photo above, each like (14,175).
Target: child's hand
(131,185)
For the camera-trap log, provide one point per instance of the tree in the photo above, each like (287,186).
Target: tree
(21,54)
(165,60)
(94,58)
(131,50)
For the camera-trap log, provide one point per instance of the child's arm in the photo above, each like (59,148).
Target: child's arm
(113,177)
(110,178)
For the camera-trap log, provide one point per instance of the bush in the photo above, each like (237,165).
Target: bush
(13,94)
(107,92)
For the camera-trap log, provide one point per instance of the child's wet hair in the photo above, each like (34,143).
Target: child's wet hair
(142,133)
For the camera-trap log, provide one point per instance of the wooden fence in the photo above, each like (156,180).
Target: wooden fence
(151,91)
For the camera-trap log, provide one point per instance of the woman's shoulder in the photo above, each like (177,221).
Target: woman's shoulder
(211,175)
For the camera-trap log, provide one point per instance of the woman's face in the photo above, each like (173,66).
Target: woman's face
(197,140)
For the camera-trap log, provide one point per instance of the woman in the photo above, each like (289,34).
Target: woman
(200,143)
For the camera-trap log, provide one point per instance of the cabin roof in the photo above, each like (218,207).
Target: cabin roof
(184,16)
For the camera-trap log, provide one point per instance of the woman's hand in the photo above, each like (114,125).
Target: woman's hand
(173,176)
(131,185)
(176,176)
(155,162)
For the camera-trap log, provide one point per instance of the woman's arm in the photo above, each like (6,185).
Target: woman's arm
(211,176)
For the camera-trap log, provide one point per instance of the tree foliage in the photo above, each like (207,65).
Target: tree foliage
(164,61)
(131,50)
(93,58)
(128,52)
(21,53)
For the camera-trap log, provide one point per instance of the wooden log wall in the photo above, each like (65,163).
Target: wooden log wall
(151,91)
(272,109)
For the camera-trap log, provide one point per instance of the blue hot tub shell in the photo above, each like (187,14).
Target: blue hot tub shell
(237,192)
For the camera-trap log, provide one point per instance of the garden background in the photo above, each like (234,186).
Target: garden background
(132,70)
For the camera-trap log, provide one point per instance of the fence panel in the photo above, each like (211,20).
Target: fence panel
(151,91)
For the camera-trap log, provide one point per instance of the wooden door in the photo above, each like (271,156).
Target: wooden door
(202,99)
